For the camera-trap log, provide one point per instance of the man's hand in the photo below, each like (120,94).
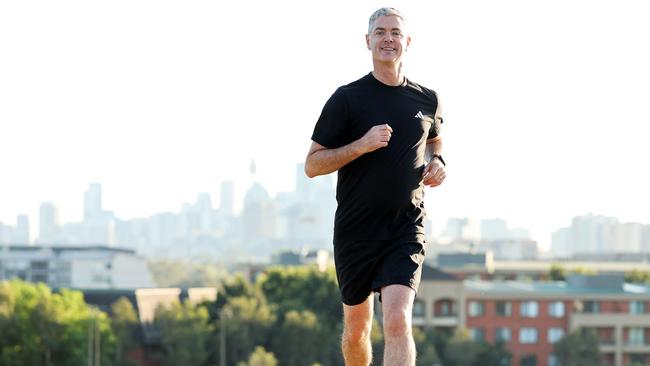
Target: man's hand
(376,137)
(434,173)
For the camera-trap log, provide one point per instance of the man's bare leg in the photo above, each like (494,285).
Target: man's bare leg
(357,322)
(397,307)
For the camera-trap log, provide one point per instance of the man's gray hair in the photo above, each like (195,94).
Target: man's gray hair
(382,13)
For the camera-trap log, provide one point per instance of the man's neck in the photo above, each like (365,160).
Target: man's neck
(390,74)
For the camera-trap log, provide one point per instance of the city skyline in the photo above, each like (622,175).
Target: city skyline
(601,233)
(544,102)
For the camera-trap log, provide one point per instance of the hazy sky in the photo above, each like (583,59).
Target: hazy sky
(545,102)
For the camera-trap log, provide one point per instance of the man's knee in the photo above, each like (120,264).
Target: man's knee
(357,330)
(397,323)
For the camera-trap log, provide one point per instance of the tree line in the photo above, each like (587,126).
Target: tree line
(288,316)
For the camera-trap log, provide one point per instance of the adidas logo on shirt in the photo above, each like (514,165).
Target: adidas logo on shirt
(419,115)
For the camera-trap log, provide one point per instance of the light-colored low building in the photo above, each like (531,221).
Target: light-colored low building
(93,267)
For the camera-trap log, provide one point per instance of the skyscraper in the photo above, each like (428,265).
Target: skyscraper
(93,202)
(227,198)
(21,234)
(48,225)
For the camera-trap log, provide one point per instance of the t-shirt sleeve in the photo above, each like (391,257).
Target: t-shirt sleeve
(437,120)
(331,126)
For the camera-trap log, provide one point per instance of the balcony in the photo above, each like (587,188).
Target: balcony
(450,320)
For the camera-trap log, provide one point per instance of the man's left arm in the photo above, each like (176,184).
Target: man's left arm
(434,172)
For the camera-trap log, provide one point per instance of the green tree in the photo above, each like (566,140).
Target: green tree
(460,350)
(299,339)
(124,322)
(637,276)
(184,333)
(245,324)
(425,343)
(303,288)
(260,358)
(177,273)
(578,349)
(557,272)
(236,286)
(39,327)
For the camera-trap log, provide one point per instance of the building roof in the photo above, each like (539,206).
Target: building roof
(549,288)
(434,274)
(63,248)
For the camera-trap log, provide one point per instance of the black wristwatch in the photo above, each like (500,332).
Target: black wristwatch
(439,158)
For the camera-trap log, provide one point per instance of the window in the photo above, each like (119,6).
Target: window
(476,308)
(637,307)
(529,360)
(556,309)
(529,309)
(552,360)
(591,307)
(637,359)
(503,335)
(527,335)
(504,308)
(418,309)
(478,334)
(636,336)
(555,334)
(446,308)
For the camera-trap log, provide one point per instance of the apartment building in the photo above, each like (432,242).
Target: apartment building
(82,267)
(531,316)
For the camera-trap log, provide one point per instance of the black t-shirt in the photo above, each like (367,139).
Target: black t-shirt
(380,194)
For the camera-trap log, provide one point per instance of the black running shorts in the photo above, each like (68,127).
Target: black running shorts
(368,265)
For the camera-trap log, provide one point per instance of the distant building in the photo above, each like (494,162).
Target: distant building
(75,267)
(93,202)
(494,229)
(600,234)
(531,316)
(49,231)
(485,267)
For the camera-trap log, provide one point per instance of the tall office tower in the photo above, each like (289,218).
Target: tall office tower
(21,234)
(227,204)
(645,239)
(302,183)
(494,229)
(561,243)
(93,202)
(630,238)
(594,234)
(258,214)
(48,225)
(204,211)
(456,229)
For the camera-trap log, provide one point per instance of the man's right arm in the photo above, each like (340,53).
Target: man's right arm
(321,160)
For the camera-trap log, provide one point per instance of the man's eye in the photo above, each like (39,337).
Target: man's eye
(397,34)
(379,33)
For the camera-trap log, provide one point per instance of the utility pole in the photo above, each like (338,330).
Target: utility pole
(90,342)
(222,354)
(94,338)
(223,314)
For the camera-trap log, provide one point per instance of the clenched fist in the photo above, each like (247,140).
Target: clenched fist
(376,137)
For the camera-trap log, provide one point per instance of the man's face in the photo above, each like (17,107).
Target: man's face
(387,40)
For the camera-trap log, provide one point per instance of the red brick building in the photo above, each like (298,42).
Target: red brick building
(531,316)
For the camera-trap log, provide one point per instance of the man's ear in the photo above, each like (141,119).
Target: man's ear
(408,42)
(367,41)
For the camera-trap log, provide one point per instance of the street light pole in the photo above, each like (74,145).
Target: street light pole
(223,314)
